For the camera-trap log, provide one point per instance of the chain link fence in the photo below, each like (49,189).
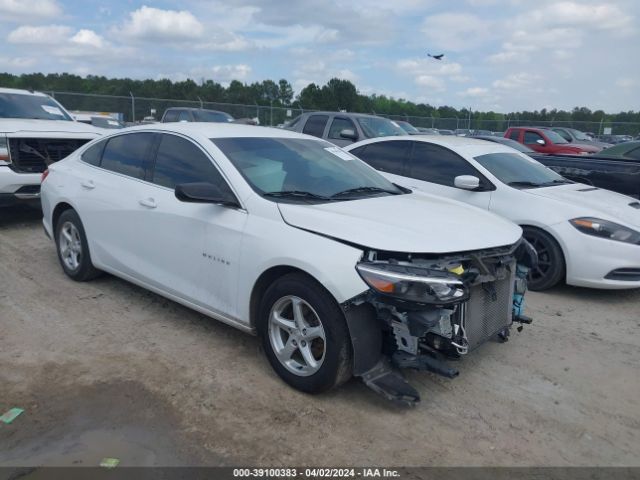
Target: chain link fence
(135,109)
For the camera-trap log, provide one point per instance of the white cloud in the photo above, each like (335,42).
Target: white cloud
(154,24)
(39,35)
(21,10)
(19,63)
(456,31)
(516,81)
(474,92)
(88,38)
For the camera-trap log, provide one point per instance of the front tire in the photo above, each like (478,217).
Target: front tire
(551,267)
(73,249)
(304,334)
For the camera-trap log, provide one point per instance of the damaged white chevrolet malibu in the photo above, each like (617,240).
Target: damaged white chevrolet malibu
(338,270)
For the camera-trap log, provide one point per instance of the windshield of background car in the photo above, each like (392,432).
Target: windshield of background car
(16,105)
(205,116)
(554,137)
(513,168)
(379,127)
(407,127)
(299,165)
(581,135)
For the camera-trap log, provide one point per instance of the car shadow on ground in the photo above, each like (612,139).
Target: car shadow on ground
(593,294)
(20,214)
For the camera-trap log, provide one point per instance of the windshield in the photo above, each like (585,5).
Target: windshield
(554,137)
(379,127)
(519,170)
(581,135)
(17,105)
(307,170)
(407,127)
(211,116)
(513,144)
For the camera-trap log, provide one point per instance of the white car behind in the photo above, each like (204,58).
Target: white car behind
(35,131)
(290,237)
(585,235)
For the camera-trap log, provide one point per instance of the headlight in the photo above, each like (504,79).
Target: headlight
(413,284)
(606,229)
(5,157)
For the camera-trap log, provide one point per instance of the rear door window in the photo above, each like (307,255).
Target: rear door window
(387,157)
(128,154)
(93,154)
(515,135)
(315,125)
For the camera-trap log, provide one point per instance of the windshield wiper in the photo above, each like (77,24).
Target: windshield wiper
(562,181)
(296,194)
(363,190)
(524,183)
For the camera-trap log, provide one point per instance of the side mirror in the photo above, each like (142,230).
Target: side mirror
(541,142)
(466,182)
(349,133)
(202,192)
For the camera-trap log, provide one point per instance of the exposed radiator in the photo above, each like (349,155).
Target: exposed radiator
(489,310)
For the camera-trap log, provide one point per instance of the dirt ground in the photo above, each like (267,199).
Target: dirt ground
(107,369)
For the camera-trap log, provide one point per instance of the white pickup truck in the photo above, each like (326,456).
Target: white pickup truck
(35,131)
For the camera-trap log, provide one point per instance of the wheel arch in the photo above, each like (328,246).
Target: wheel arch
(265,280)
(57,211)
(554,237)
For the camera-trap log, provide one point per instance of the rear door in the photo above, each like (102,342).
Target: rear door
(315,125)
(433,169)
(388,157)
(188,249)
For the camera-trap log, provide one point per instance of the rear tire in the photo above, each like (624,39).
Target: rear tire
(551,267)
(304,334)
(73,249)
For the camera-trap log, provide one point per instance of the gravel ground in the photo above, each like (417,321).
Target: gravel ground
(107,369)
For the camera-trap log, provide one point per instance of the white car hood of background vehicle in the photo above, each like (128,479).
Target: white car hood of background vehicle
(30,126)
(417,222)
(594,202)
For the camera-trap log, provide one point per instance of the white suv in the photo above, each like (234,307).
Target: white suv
(285,235)
(35,131)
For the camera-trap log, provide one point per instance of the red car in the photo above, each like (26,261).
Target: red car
(547,141)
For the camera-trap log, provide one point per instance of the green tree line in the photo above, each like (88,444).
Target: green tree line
(336,94)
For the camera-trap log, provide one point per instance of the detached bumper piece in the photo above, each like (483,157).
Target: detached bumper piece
(390,333)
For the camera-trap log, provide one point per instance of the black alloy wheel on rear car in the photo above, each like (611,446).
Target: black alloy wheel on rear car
(551,267)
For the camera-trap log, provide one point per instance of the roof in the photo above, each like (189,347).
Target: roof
(196,109)
(22,92)
(218,130)
(349,114)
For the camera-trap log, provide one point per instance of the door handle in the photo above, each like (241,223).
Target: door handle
(88,184)
(148,202)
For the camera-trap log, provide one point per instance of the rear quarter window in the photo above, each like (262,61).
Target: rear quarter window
(93,154)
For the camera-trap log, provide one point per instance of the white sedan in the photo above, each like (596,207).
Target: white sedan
(290,237)
(587,236)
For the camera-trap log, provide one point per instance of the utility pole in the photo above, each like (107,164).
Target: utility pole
(133,108)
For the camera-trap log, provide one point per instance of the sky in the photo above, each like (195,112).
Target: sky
(501,55)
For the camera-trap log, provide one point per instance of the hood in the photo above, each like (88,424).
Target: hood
(414,223)
(584,147)
(595,202)
(36,128)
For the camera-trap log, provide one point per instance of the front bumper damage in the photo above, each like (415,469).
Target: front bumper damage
(389,333)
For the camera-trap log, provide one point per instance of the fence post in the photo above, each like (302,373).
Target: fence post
(133,108)
(201,104)
(271,113)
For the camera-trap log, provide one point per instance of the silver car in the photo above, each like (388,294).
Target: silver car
(344,128)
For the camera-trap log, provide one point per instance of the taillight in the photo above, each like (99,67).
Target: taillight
(45,174)
(5,155)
